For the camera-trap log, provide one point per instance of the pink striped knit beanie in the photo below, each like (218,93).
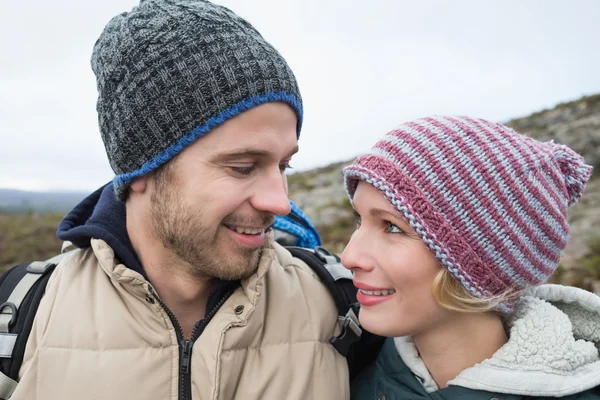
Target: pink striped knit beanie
(490,203)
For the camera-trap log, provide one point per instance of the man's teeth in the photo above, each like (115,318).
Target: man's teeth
(378,292)
(248,231)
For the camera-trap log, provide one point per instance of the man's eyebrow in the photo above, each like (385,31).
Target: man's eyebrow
(293,151)
(243,152)
(250,152)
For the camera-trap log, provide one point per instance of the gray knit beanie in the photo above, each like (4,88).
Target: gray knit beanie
(169,71)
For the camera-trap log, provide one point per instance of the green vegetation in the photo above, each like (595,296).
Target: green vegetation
(307,180)
(586,274)
(300,182)
(336,235)
(592,260)
(589,101)
(30,236)
(27,237)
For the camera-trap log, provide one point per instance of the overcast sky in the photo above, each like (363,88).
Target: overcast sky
(363,67)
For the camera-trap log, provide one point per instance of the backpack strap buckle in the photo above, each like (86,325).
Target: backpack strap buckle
(350,334)
(39,267)
(9,317)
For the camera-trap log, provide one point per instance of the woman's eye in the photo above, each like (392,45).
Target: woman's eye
(357,219)
(391,228)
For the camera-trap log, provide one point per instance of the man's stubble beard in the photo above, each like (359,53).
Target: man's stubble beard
(197,252)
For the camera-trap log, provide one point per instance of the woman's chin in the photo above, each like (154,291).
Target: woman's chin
(379,324)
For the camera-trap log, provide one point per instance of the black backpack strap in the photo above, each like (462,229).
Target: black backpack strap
(21,290)
(338,281)
(360,347)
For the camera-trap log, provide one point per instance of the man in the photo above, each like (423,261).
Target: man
(176,289)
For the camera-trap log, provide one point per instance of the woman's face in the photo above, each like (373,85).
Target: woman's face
(393,270)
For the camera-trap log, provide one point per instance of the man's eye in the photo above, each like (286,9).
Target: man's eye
(244,170)
(285,166)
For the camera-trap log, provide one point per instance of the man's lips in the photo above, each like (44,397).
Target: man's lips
(248,237)
(247,230)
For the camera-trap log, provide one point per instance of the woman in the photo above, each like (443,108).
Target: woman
(460,223)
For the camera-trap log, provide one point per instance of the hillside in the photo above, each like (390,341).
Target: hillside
(321,192)
(45,202)
(27,236)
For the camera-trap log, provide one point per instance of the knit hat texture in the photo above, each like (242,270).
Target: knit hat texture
(490,203)
(170,71)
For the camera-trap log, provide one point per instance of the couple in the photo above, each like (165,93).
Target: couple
(177,290)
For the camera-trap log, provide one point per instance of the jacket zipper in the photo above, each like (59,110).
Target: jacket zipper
(185,382)
(185,345)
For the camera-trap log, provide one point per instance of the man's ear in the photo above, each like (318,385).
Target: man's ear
(139,184)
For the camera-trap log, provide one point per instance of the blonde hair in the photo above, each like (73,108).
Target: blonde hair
(449,294)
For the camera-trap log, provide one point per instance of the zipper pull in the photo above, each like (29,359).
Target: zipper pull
(186,355)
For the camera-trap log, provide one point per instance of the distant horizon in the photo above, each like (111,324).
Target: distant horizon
(45,190)
(361,70)
(50,191)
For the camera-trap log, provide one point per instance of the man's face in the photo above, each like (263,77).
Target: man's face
(211,205)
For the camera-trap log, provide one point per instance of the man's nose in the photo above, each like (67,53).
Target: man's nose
(271,196)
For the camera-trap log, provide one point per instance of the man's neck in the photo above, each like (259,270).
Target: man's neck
(459,344)
(184,294)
